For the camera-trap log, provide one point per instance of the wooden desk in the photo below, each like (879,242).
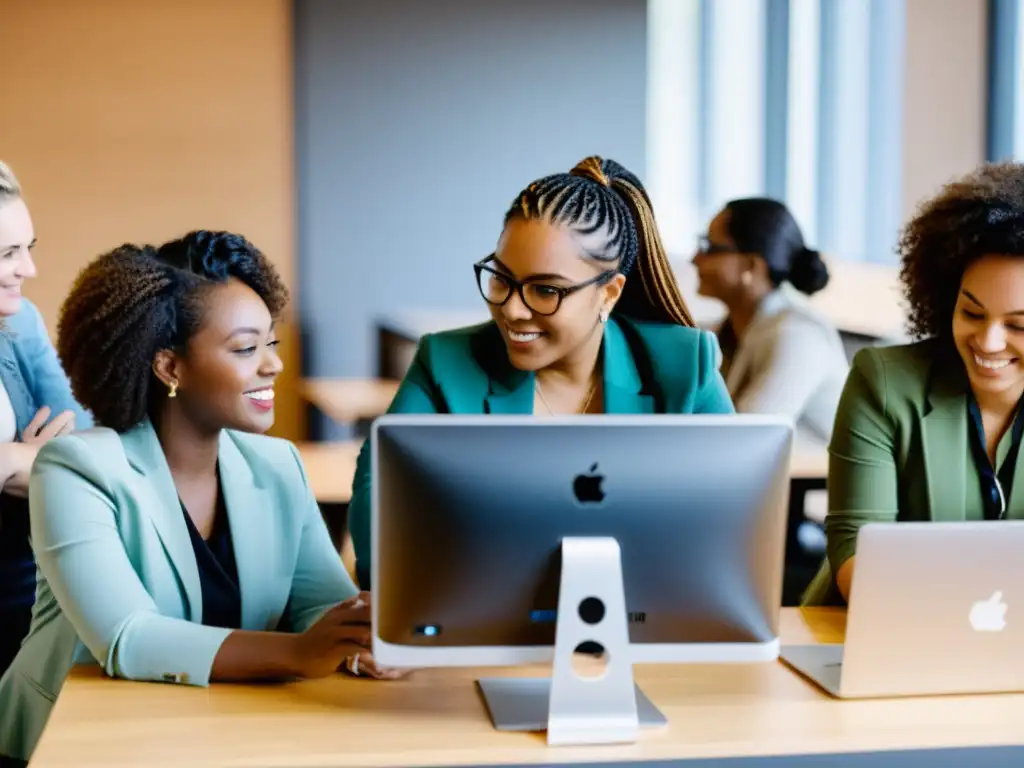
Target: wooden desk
(435,717)
(860,298)
(349,400)
(809,463)
(331,468)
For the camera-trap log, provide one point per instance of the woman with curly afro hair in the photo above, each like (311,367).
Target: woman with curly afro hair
(151,529)
(930,431)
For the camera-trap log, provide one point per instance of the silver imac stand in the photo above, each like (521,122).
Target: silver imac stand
(575,709)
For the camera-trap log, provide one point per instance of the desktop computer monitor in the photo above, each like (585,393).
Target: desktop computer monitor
(510,540)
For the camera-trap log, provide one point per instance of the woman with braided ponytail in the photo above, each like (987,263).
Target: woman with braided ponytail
(587,318)
(150,530)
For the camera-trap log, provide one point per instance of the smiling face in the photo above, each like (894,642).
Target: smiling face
(549,256)
(17,238)
(227,372)
(988,326)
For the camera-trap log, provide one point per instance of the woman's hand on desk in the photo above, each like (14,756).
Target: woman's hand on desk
(340,639)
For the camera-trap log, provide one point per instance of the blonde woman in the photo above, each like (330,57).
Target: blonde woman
(35,405)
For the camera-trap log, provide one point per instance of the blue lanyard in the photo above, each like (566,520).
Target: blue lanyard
(995,486)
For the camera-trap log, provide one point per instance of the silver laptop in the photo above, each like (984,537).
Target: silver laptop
(935,608)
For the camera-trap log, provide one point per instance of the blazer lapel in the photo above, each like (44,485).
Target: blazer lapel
(944,433)
(623,386)
(518,400)
(22,402)
(253,527)
(145,455)
(509,390)
(1015,510)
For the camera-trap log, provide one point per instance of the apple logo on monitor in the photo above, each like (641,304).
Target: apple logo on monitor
(587,487)
(989,615)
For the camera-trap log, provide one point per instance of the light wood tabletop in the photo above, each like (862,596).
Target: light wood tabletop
(808,463)
(349,400)
(435,717)
(331,467)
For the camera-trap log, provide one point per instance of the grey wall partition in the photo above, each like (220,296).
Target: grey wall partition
(417,121)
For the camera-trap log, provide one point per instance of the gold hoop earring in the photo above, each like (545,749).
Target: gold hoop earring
(172,389)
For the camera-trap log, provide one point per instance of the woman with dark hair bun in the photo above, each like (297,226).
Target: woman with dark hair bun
(779,355)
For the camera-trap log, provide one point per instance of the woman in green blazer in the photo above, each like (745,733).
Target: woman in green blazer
(176,543)
(587,318)
(931,430)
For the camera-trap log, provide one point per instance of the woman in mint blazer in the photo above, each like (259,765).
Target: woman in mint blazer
(176,543)
(587,318)
(932,430)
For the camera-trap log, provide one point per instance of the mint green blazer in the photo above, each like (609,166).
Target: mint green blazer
(648,368)
(118,582)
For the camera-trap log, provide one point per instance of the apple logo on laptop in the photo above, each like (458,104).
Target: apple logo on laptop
(989,615)
(587,488)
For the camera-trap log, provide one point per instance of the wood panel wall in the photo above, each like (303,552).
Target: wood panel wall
(138,121)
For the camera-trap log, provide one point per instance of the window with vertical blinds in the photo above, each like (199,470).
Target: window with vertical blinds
(800,100)
(1005,80)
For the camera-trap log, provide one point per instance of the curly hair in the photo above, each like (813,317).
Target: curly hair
(600,195)
(981,213)
(134,301)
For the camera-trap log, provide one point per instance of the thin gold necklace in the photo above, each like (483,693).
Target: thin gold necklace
(586,403)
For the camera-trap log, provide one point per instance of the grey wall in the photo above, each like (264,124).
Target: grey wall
(417,122)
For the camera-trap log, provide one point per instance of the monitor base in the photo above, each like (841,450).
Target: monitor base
(581,703)
(522,704)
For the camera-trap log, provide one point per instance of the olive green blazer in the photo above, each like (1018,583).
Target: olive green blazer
(648,368)
(900,451)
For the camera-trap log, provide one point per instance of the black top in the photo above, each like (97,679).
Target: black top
(17,566)
(996,485)
(218,573)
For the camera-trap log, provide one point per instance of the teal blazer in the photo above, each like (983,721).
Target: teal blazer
(648,368)
(118,583)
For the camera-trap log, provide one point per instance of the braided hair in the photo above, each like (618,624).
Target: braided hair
(609,208)
(134,301)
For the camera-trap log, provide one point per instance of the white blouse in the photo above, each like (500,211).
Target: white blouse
(8,422)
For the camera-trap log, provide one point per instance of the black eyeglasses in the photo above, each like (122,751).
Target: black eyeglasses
(706,248)
(497,288)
